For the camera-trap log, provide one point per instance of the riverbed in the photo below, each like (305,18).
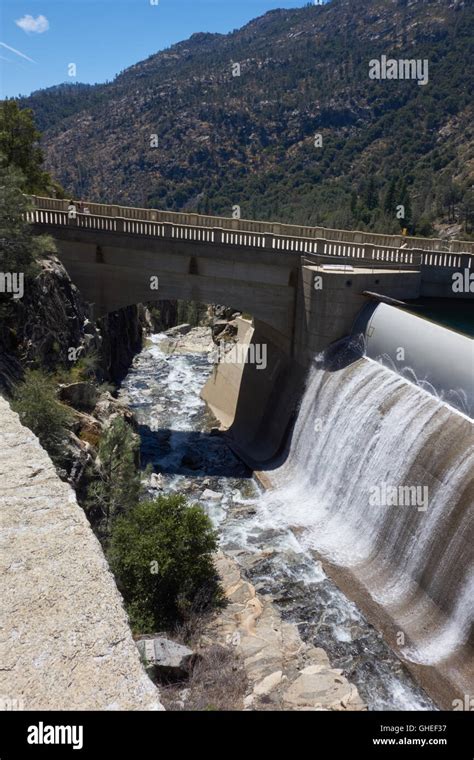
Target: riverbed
(179,438)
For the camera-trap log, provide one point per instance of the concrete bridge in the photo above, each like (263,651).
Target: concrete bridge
(304,286)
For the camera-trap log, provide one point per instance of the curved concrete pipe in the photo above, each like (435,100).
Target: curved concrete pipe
(422,351)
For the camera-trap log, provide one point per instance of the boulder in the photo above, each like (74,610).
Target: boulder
(82,395)
(165,658)
(209,495)
(108,407)
(156,481)
(268,684)
(318,687)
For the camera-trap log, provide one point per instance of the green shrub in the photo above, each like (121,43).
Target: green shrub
(19,144)
(161,554)
(38,408)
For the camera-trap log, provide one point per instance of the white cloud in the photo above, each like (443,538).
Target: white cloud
(39,24)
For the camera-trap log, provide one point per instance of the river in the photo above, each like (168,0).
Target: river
(175,426)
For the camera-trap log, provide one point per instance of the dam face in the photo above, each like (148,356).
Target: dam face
(379,479)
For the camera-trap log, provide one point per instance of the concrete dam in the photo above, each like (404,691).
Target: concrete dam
(367,451)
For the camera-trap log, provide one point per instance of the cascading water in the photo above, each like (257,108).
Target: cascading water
(356,428)
(367,446)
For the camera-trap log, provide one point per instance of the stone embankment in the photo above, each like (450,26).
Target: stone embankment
(283,672)
(65,641)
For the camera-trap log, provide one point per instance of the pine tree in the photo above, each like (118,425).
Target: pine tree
(19,248)
(390,201)
(371,196)
(404,200)
(117,488)
(19,145)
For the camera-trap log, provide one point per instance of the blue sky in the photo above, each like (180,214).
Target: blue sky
(40,38)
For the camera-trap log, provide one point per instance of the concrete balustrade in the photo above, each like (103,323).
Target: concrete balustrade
(284,231)
(221,236)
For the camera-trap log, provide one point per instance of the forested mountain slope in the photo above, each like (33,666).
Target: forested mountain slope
(181,131)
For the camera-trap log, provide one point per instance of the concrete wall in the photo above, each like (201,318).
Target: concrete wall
(257,406)
(437,282)
(330,299)
(66,643)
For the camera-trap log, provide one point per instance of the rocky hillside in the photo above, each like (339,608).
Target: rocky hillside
(189,129)
(50,329)
(52,319)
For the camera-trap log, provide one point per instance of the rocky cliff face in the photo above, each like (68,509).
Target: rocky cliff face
(51,328)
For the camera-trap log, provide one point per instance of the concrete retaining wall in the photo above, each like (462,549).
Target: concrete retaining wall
(65,640)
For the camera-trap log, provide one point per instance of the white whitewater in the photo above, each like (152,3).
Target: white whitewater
(318,483)
(358,429)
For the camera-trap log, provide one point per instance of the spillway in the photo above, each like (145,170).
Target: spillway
(379,482)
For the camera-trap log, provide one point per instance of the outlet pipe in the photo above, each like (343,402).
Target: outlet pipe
(436,358)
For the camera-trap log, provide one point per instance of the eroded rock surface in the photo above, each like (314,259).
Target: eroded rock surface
(283,671)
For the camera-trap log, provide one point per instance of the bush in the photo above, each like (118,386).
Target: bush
(161,554)
(36,404)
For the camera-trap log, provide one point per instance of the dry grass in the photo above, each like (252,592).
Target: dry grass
(218,682)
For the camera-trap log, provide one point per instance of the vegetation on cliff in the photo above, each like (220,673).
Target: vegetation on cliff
(19,146)
(114,484)
(37,405)
(20,250)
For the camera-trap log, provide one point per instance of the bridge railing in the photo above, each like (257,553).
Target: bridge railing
(369,261)
(262,228)
(359,253)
